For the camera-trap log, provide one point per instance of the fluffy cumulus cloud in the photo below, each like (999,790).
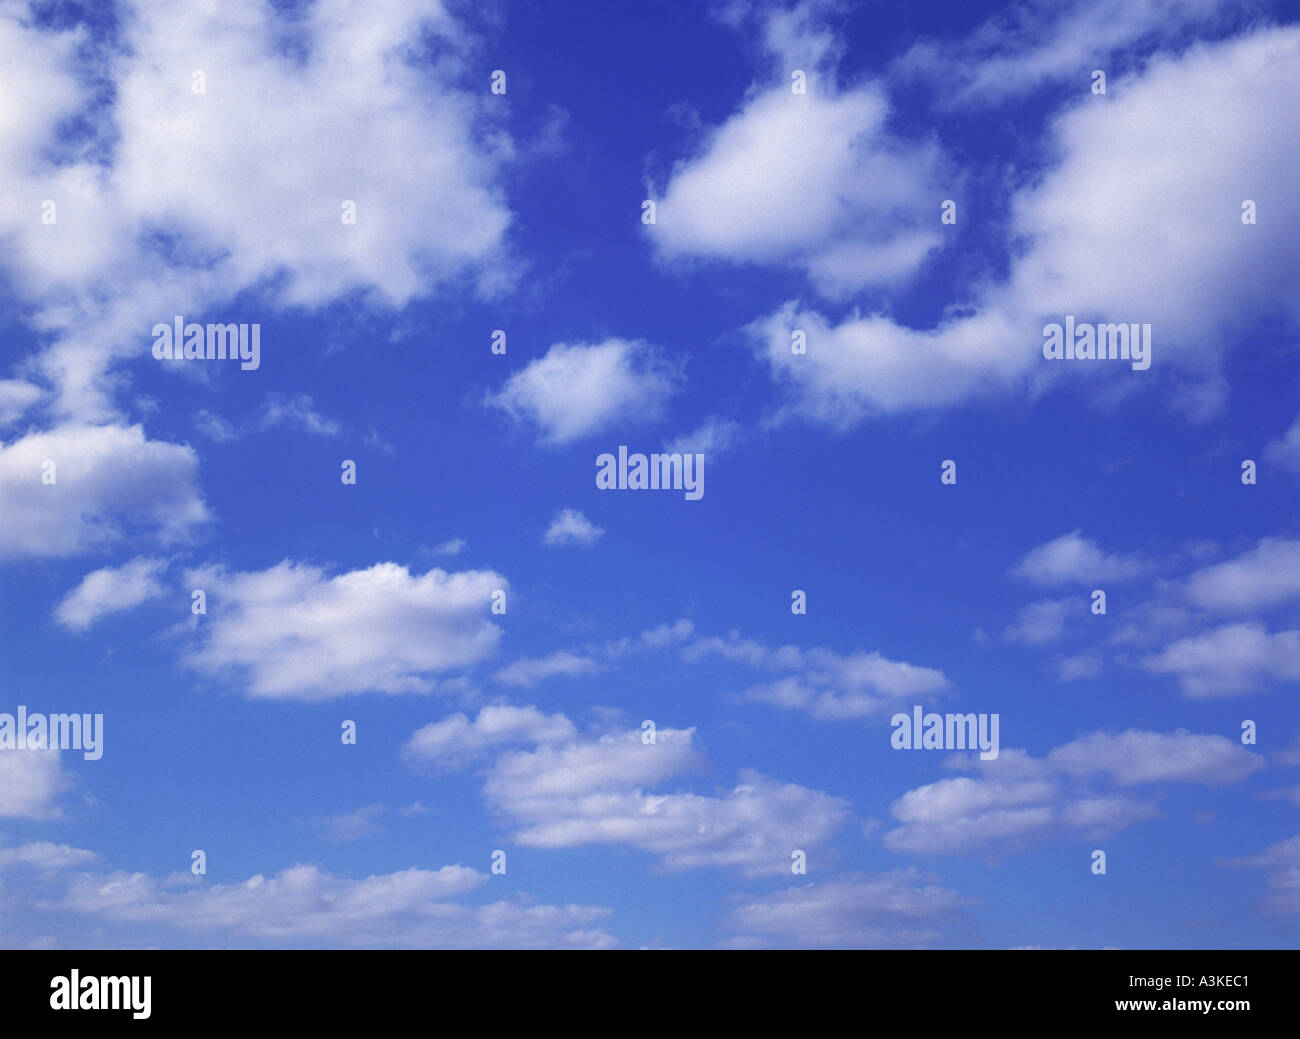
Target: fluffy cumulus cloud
(30,784)
(812,180)
(1108,238)
(110,590)
(900,909)
(1136,756)
(205,191)
(571,527)
(1230,660)
(456,740)
(565,790)
(1265,576)
(1017,799)
(1074,559)
(577,390)
(408,908)
(106,483)
(295,633)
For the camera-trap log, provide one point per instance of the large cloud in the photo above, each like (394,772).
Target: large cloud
(568,790)
(109,482)
(174,201)
(1230,660)
(297,633)
(1138,219)
(812,180)
(1265,576)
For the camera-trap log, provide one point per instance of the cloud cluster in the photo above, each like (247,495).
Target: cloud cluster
(187,189)
(410,908)
(1018,798)
(563,789)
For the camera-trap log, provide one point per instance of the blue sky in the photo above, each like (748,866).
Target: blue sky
(199,162)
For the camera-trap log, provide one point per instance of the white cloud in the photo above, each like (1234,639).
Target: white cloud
(30,784)
(1081,665)
(45,855)
(531,670)
(899,909)
(1230,660)
(296,412)
(453,547)
(575,391)
(409,908)
(871,366)
(1136,756)
(812,180)
(568,790)
(835,687)
(110,590)
(202,196)
(1016,798)
(355,825)
(215,428)
(456,740)
(715,436)
(826,684)
(571,527)
(110,482)
(1041,622)
(1283,859)
(1285,451)
(1106,239)
(1074,559)
(963,813)
(1029,46)
(660,637)
(746,651)
(1267,575)
(299,634)
(16,397)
